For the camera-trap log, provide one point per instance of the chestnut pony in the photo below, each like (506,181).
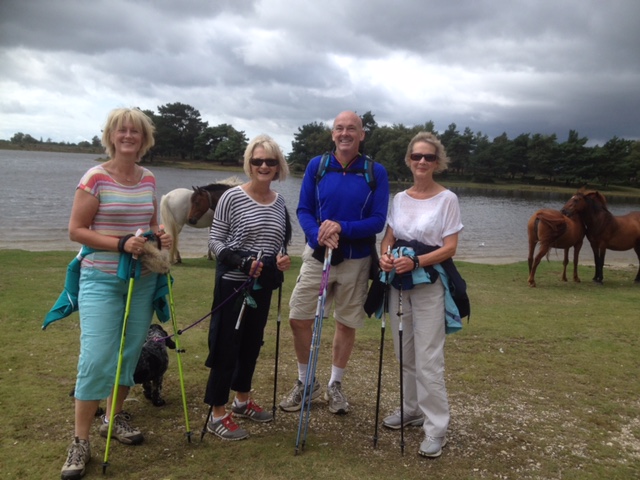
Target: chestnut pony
(552,229)
(605,230)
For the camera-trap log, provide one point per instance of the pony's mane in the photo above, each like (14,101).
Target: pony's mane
(222,184)
(595,197)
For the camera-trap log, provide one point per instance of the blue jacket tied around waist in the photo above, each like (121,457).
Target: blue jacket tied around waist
(457,305)
(67,302)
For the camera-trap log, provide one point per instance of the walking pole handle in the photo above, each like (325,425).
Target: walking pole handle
(138,233)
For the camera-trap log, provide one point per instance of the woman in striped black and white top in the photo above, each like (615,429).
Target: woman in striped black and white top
(248,219)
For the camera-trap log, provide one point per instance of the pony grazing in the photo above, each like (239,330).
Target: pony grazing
(551,229)
(193,207)
(605,230)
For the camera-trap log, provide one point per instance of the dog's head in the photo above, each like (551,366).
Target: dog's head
(156,332)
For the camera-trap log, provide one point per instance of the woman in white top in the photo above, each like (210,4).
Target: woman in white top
(426,214)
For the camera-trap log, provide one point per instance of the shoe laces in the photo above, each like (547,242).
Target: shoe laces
(252,406)
(122,424)
(77,453)
(296,391)
(228,423)
(336,392)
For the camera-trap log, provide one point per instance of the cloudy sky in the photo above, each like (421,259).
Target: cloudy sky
(271,66)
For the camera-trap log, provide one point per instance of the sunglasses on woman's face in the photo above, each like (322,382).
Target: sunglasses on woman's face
(429,157)
(257,162)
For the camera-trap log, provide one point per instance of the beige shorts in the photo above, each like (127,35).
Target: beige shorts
(348,283)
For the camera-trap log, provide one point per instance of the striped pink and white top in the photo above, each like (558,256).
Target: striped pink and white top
(123,210)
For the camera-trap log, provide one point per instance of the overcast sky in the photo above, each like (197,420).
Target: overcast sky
(271,66)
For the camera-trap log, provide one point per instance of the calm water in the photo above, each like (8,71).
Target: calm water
(36,193)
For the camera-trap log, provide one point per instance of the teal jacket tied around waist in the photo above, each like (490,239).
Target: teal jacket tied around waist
(67,302)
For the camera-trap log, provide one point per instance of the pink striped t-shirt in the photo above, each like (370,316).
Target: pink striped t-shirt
(123,210)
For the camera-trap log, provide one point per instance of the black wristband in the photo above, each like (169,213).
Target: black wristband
(416,262)
(245,265)
(122,241)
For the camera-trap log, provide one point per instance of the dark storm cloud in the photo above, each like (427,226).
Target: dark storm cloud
(273,65)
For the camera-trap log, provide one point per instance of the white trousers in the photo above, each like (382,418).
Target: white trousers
(423,336)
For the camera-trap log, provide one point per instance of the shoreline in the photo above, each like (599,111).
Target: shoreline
(613,259)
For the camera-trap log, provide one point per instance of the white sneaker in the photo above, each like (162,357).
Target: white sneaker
(431,447)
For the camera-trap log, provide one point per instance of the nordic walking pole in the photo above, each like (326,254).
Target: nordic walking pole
(275,374)
(116,385)
(385,309)
(244,302)
(401,348)
(305,410)
(179,351)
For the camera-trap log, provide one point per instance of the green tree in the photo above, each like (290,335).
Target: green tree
(613,162)
(542,155)
(17,138)
(517,162)
(221,143)
(310,140)
(388,146)
(369,124)
(177,127)
(574,157)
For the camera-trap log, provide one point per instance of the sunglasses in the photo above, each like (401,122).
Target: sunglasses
(257,162)
(429,157)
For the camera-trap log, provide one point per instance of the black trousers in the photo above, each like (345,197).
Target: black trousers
(233,354)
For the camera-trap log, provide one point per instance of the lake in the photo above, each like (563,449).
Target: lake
(37,188)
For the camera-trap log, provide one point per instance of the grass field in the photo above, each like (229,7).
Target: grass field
(543,384)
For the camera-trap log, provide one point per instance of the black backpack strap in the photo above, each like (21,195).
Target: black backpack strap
(322,166)
(367,171)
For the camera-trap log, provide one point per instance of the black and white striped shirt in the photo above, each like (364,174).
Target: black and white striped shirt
(241,223)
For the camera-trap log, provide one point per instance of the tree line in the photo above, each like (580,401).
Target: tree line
(181,134)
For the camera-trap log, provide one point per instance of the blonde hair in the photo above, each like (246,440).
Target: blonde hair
(430,138)
(117,117)
(273,150)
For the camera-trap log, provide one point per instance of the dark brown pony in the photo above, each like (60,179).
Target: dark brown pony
(605,230)
(551,229)
(205,198)
(194,208)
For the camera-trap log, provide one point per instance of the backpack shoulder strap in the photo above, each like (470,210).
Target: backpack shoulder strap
(367,171)
(322,166)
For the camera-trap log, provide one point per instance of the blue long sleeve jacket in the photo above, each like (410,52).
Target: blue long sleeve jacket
(345,198)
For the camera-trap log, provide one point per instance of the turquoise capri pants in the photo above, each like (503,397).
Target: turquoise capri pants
(101,303)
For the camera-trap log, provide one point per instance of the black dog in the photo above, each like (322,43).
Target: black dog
(153,363)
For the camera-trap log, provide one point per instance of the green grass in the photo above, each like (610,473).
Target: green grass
(543,384)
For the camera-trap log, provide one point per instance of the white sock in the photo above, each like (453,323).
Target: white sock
(302,372)
(238,403)
(215,419)
(336,374)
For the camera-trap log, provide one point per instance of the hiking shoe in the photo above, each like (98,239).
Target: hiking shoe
(337,400)
(252,411)
(122,430)
(393,420)
(226,429)
(79,455)
(293,401)
(432,446)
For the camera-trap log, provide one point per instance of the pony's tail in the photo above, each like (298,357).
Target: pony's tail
(170,225)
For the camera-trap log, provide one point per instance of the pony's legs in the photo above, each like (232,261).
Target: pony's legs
(565,262)
(576,256)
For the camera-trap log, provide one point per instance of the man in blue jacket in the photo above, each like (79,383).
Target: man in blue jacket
(343,205)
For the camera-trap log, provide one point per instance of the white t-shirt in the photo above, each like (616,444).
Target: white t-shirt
(427,221)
